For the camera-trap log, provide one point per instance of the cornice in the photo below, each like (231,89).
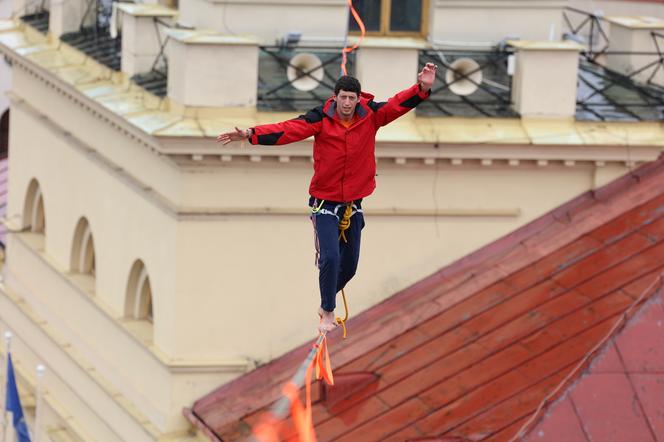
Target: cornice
(94,108)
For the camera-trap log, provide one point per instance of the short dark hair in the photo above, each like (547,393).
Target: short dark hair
(348,84)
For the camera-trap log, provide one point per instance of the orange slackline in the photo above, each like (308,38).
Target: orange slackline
(271,426)
(348,49)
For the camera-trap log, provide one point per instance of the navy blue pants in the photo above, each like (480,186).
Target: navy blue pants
(336,260)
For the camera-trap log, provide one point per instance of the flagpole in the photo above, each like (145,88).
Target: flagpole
(38,404)
(3,398)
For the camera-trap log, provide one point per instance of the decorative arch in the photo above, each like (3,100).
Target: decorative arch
(138,303)
(83,249)
(34,218)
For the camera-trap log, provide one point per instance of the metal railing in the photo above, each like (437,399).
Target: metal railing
(276,91)
(94,37)
(603,92)
(492,95)
(588,29)
(33,13)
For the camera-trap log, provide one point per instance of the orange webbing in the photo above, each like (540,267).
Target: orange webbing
(269,429)
(323,364)
(348,49)
(302,419)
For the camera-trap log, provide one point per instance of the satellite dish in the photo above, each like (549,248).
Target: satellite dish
(305,71)
(460,78)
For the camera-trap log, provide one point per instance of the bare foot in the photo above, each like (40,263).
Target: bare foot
(327,321)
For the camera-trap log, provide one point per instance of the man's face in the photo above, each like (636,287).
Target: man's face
(346,102)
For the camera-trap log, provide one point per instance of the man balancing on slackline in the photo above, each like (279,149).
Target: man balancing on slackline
(344,130)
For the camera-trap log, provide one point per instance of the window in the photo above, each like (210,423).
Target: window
(139,294)
(391,17)
(83,249)
(33,212)
(4,134)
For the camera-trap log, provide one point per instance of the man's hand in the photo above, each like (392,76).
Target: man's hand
(237,135)
(427,76)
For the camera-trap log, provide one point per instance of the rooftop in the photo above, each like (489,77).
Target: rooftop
(472,351)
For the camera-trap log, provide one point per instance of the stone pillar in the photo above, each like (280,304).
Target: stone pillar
(634,34)
(141,35)
(67,16)
(385,66)
(544,83)
(209,69)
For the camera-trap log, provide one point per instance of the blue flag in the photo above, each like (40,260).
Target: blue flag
(13,404)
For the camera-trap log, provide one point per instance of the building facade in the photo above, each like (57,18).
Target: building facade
(146,265)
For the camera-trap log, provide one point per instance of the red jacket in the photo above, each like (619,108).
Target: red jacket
(344,159)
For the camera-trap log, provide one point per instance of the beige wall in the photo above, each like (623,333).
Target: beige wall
(268,20)
(493,20)
(620,7)
(126,226)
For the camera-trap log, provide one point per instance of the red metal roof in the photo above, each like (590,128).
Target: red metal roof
(628,377)
(472,352)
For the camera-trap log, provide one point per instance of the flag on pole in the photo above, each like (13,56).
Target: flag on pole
(13,405)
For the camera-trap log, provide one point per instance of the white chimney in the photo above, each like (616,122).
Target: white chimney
(67,16)
(545,79)
(142,34)
(634,34)
(385,66)
(209,69)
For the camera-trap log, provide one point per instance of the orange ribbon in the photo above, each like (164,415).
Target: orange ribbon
(269,429)
(347,50)
(323,364)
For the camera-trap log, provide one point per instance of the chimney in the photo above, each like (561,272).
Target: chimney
(68,16)
(142,34)
(377,70)
(635,34)
(210,69)
(545,79)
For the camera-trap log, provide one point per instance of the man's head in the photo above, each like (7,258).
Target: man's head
(347,94)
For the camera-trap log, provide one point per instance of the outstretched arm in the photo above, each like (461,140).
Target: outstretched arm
(405,100)
(236,135)
(285,132)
